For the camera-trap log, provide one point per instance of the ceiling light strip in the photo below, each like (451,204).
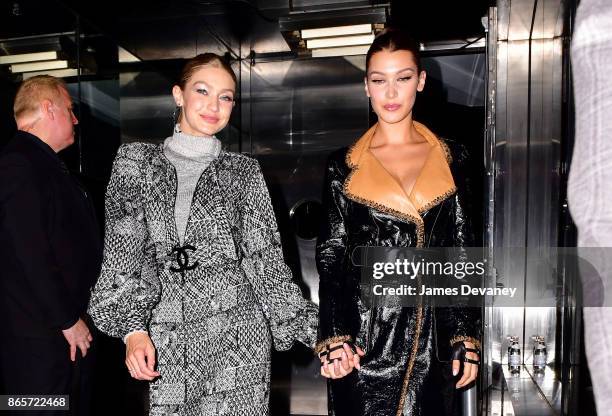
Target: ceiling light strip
(58,73)
(340,41)
(336,31)
(341,51)
(38,66)
(28,57)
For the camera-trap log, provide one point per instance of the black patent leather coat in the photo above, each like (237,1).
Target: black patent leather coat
(406,369)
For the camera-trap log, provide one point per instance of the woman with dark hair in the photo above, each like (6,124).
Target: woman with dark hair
(397,186)
(193,277)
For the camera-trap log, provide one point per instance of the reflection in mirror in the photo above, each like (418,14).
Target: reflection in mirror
(305,215)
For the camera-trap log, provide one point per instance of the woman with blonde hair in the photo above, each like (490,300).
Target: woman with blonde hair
(193,277)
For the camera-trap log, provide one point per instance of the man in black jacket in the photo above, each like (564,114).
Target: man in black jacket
(50,251)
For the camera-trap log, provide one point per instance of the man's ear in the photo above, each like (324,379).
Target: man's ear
(47,109)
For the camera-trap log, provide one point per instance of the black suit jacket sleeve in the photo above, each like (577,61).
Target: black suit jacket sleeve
(28,213)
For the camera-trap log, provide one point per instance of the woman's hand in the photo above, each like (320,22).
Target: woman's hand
(344,360)
(140,356)
(470,370)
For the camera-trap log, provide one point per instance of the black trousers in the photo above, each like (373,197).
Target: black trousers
(37,366)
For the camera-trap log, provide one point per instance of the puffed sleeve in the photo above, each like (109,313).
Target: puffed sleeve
(291,317)
(462,323)
(128,287)
(335,291)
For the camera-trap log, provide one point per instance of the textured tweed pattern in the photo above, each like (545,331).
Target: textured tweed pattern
(213,326)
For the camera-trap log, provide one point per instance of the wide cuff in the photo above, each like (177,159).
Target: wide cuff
(465,338)
(321,345)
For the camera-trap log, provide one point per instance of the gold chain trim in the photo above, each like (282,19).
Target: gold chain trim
(321,345)
(466,338)
(420,225)
(347,158)
(437,200)
(447,152)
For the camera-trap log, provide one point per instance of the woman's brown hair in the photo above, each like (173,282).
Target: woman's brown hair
(201,60)
(392,40)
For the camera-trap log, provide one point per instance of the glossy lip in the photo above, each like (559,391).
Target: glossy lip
(210,119)
(392,107)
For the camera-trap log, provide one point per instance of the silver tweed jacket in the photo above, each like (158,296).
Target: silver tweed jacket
(213,306)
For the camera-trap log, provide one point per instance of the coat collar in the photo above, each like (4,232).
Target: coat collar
(205,199)
(370,184)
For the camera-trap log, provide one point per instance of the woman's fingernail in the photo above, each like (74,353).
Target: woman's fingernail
(455,371)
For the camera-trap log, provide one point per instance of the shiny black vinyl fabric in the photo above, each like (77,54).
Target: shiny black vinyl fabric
(406,369)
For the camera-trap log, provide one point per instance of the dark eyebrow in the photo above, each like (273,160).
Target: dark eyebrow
(398,72)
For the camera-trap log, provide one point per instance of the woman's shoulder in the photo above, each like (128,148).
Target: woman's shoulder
(238,168)
(456,153)
(238,161)
(137,151)
(337,159)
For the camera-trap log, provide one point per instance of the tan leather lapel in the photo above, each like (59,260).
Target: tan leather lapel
(370,184)
(435,182)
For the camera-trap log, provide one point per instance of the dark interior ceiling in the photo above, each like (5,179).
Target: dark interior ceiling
(158,29)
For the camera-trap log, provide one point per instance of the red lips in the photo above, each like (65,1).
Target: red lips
(392,107)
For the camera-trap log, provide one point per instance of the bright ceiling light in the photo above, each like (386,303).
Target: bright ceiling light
(340,41)
(336,31)
(28,57)
(57,73)
(342,51)
(39,66)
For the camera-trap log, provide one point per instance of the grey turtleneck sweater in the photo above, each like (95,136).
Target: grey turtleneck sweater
(190,155)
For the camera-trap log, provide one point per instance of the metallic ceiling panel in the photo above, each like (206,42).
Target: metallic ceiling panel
(266,38)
